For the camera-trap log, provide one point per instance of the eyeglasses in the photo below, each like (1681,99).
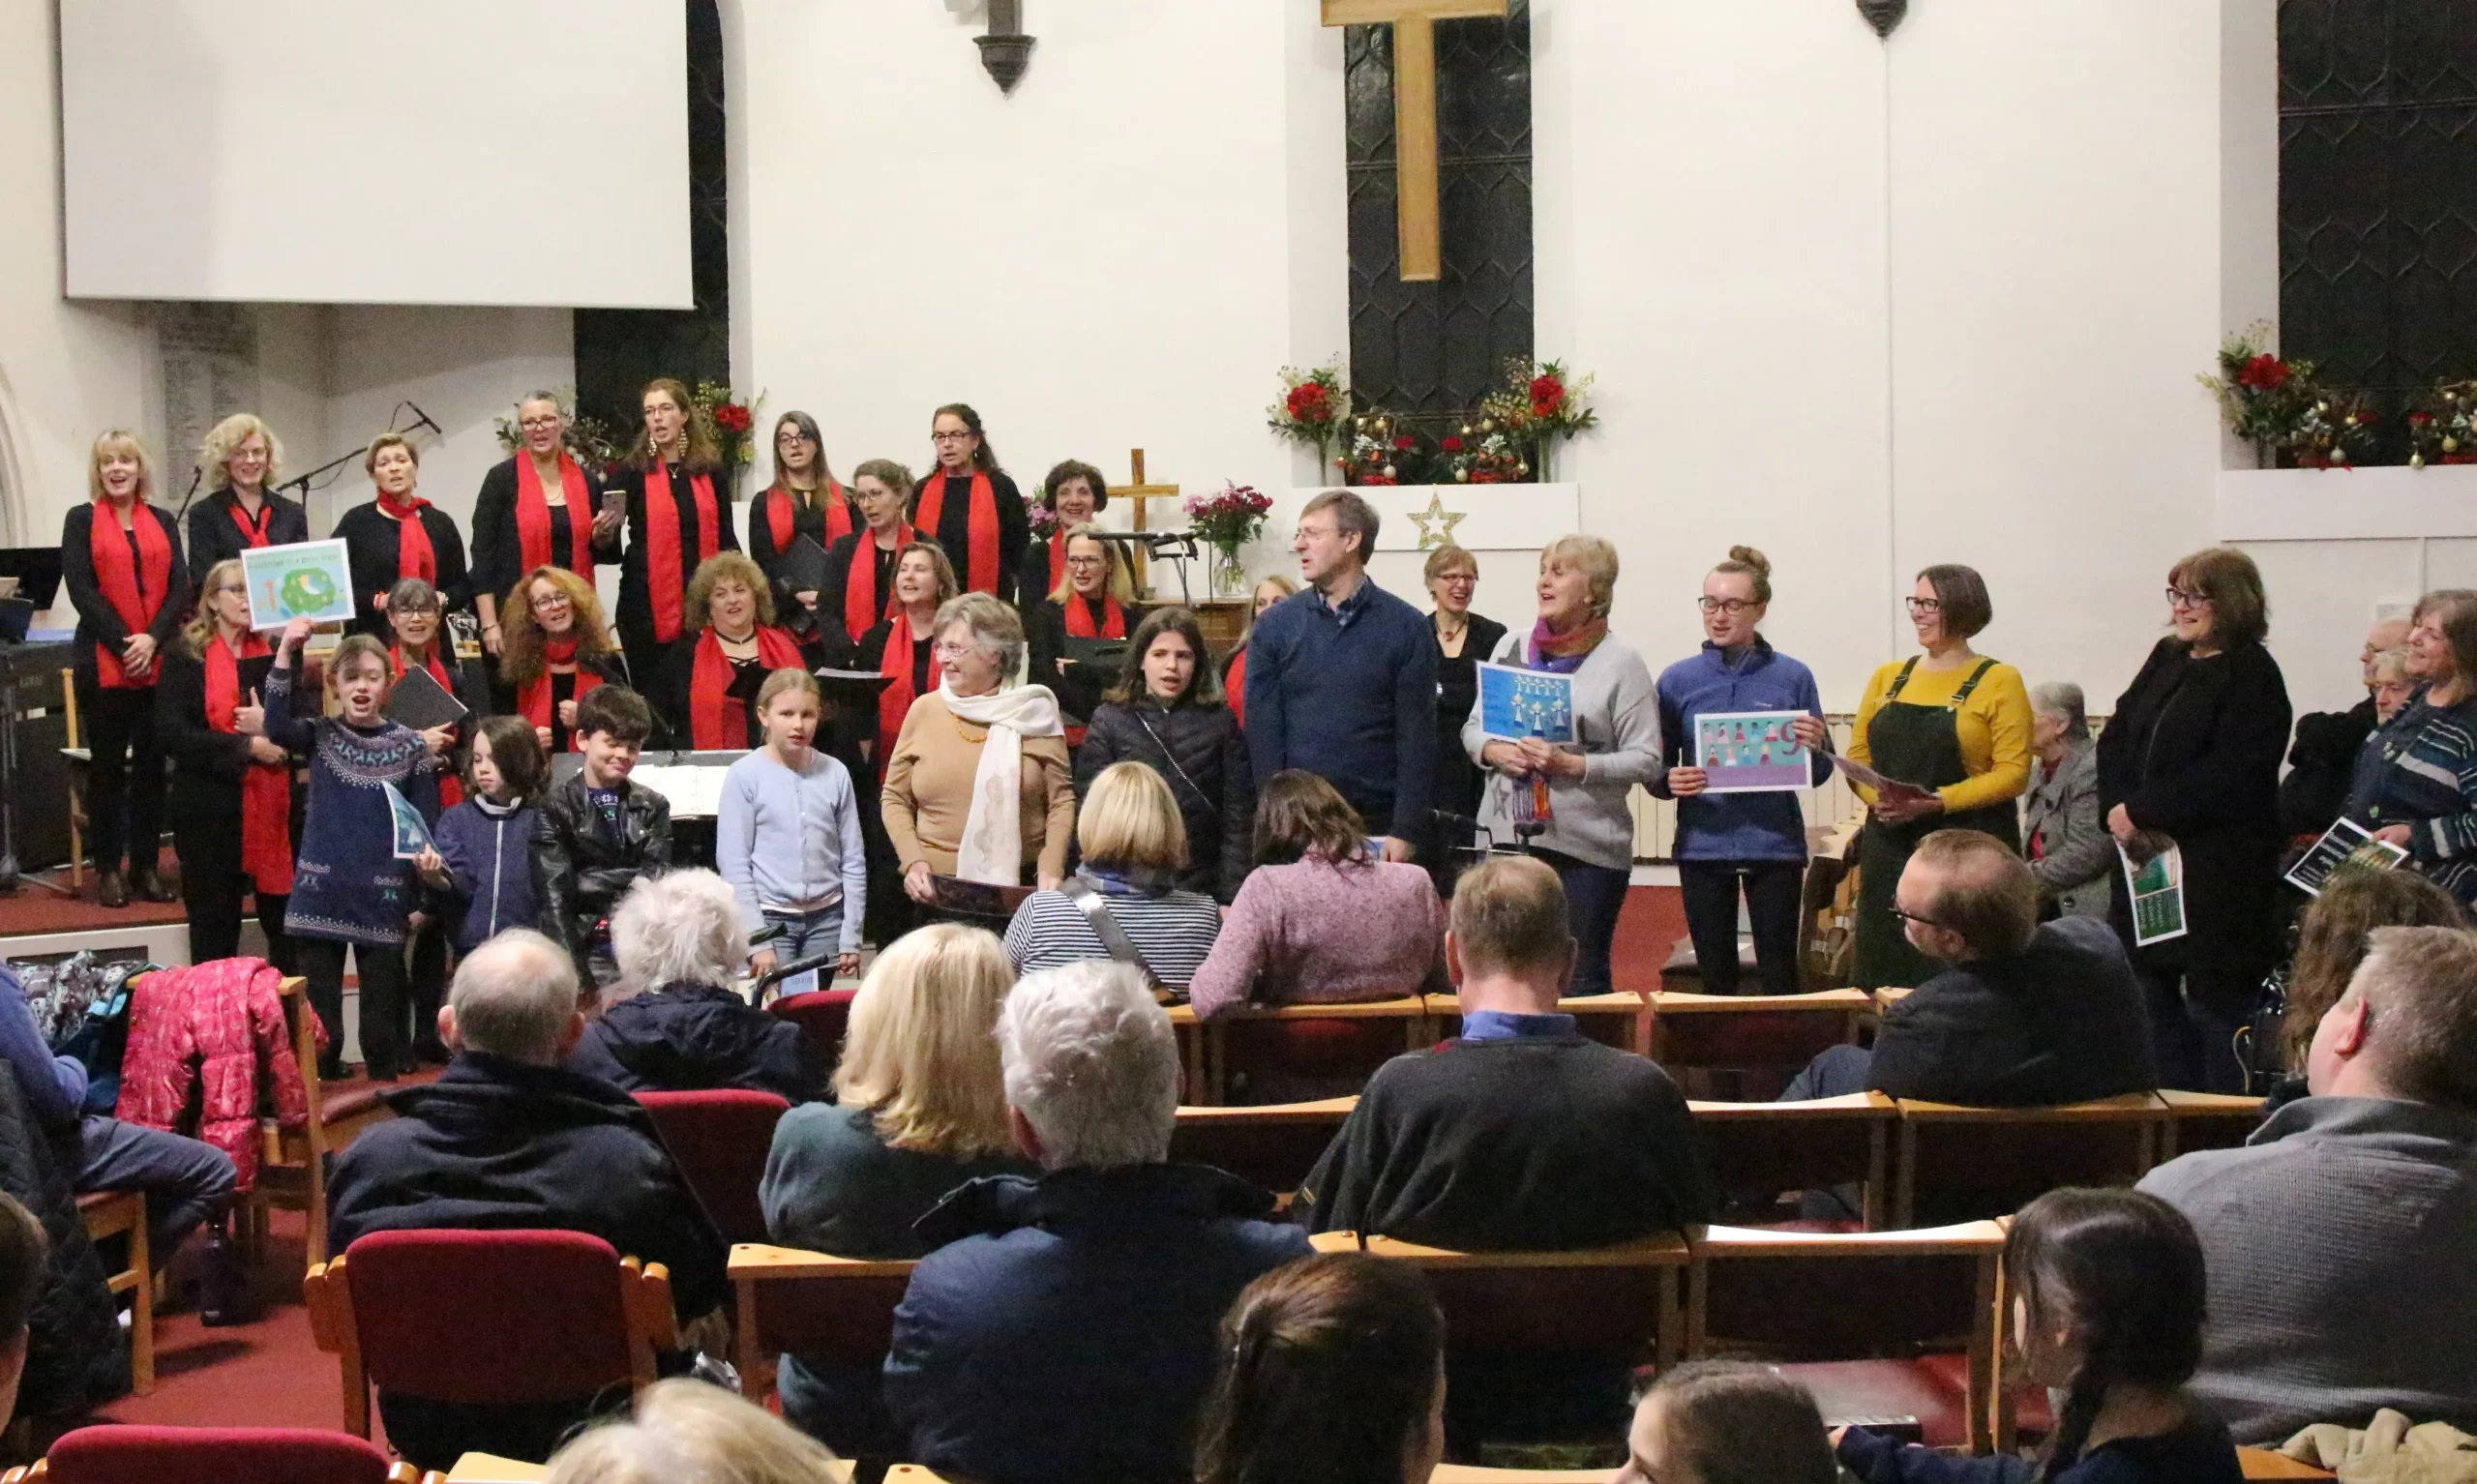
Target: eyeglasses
(528,424)
(1732,606)
(947,649)
(1458,578)
(553,601)
(1926,604)
(408,610)
(950,437)
(1087,561)
(1924,922)
(232,588)
(2178,598)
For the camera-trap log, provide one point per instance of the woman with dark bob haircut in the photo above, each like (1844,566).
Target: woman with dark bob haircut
(1167,712)
(2107,1293)
(2190,760)
(1956,725)
(1332,1368)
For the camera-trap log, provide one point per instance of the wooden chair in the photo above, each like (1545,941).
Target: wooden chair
(1339,1040)
(719,1138)
(124,1454)
(81,760)
(292,1162)
(1810,1145)
(1778,1033)
(2265,1464)
(1620,1300)
(2206,1121)
(1851,1314)
(1276,1145)
(562,1316)
(123,1213)
(789,1301)
(1621,1018)
(1968,1163)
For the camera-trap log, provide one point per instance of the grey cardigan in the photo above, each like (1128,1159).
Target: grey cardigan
(2080,856)
(1617,722)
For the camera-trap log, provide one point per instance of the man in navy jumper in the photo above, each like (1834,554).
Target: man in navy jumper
(1341,678)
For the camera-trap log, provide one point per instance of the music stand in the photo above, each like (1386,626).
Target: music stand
(37,570)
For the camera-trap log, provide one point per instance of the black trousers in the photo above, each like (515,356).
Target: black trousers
(125,782)
(426,988)
(2192,1027)
(212,886)
(1773,890)
(382,999)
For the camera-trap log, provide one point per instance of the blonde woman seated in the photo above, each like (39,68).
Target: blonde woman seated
(920,1110)
(1320,920)
(1135,845)
(977,785)
(685,1428)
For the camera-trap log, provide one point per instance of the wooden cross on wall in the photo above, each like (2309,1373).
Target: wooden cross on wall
(1142,495)
(1413,23)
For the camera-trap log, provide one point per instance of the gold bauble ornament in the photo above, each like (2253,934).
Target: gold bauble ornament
(2339,456)
(1461,476)
(2451,445)
(1389,471)
(2416,460)
(2322,407)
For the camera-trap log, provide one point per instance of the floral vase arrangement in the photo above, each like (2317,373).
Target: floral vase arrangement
(1227,519)
(733,420)
(1314,405)
(1542,402)
(2263,396)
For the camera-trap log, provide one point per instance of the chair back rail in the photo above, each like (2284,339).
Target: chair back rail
(1760,1148)
(1620,1301)
(719,1138)
(1959,1164)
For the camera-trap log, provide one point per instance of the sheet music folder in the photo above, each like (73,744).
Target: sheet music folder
(421,703)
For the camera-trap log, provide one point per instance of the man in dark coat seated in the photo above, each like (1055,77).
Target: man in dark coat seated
(2322,762)
(1064,1332)
(1520,1134)
(2023,1014)
(680,1027)
(506,1138)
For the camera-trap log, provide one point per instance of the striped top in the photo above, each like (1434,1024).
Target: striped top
(1173,931)
(2422,772)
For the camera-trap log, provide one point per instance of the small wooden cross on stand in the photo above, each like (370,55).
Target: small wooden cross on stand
(1142,495)
(1413,23)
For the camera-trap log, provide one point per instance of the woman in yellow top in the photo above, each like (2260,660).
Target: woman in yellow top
(1949,721)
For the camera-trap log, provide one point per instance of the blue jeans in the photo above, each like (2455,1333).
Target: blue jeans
(1595,895)
(807,934)
(186,1181)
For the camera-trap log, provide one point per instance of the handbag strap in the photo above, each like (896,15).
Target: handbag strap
(1105,927)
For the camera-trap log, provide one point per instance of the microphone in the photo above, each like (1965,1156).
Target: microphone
(1448,819)
(423,419)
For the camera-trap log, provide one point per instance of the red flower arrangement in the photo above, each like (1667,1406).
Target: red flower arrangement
(732,419)
(1312,407)
(2265,398)
(1542,402)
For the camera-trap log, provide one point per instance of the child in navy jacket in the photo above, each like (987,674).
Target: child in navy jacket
(481,872)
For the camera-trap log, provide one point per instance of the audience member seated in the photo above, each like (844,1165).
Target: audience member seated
(2107,1297)
(689,1430)
(1728,1422)
(2022,1015)
(186,1182)
(2067,843)
(1332,1368)
(676,1025)
(2331,941)
(1321,920)
(23,1250)
(508,1138)
(919,1110)
(1063,1329)
(2323,758)
(1521,1133)
(2341,1275)
(1134,844)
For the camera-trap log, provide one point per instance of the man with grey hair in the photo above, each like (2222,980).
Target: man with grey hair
(2323,760)
(1064,1330)
(507,1138)
(677,1024)
(2343,1277)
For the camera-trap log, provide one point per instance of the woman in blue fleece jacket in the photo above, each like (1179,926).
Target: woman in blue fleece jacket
(1759,839)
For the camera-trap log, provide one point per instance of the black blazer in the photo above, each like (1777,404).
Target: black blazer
(1458,779)
(215,537)
(635,620)
(1079,693)
(208,766)
(372,543)
(498,557)
(97,621)
(954,533)
(2192,751)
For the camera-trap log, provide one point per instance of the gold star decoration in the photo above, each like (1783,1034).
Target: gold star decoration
(1442,536)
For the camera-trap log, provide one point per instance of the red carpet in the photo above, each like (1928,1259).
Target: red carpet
(32,909)
(1647,931)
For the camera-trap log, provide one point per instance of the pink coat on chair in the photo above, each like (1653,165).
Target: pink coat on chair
(221,1027)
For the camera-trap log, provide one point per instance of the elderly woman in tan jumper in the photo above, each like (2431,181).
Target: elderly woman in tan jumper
(978,785)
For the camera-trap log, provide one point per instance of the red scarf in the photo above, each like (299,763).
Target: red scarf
(136,586)
(252,534)
(266,788)
(1056,560)
(666,574)
(781,504)
(714,718)
(1233,686)
(450,792)
(862,603)
(413,556)
(839,522)
(534,699)
(894,702)
(533,516)
(1079,618)
(981,563)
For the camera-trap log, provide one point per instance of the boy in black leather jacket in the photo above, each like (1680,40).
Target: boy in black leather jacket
(598,832)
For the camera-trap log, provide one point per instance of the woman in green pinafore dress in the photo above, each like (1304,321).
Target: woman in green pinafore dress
(1948,720)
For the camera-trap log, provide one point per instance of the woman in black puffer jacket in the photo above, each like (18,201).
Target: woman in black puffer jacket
(1167,712)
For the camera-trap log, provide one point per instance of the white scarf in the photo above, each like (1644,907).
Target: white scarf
(991,850)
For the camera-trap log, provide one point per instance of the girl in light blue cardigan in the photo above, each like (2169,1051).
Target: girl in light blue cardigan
(788,835)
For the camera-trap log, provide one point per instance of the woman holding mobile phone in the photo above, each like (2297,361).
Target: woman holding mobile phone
(541,508)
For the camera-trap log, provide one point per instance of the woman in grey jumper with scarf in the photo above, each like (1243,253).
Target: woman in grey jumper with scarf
(1590,838)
